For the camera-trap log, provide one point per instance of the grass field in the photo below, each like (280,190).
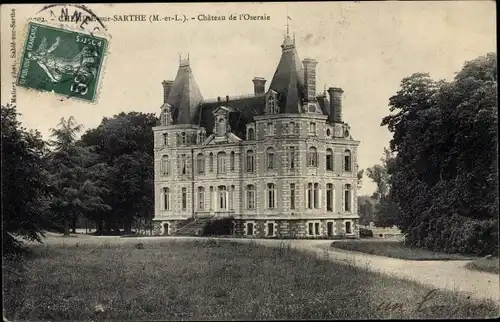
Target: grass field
(395,249)
(211,280)
(485,265)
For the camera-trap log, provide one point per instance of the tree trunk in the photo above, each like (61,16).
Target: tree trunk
(99,225)
(66,226)
(74,223)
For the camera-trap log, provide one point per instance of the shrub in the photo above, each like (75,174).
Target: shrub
(364,232)
(222,226)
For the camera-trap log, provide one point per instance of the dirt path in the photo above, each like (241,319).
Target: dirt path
(450,275)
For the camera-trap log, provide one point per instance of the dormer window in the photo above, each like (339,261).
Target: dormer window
(272,107)
(221,127)
(251,134)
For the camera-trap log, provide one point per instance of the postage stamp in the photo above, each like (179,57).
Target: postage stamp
(62,61)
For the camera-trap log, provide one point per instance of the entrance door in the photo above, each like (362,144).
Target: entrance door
(329,229)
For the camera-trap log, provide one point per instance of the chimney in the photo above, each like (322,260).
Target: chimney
(336,104)
(167,86)
(310,79)
(259,85)
(218,100)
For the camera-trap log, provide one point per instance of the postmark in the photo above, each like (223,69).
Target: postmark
(62,61)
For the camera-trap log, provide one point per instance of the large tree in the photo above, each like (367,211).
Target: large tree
(24,188)
(444,177)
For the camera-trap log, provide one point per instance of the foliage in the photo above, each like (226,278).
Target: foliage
(24,188)
(365,209)
(363,232)
(444,177)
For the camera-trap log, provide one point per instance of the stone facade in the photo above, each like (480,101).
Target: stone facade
(282,163)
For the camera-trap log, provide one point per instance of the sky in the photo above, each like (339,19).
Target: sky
(366,48)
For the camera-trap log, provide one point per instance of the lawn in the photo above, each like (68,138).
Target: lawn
(395,249)
(166,279)
(489,265)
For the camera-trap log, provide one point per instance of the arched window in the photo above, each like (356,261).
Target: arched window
(271,105)
(221,127)
(312,157)
(200,163)
(211,162)
(165,165)
(231,161)
(270,158)
(347,198)
(271,195)
(329,160)
(250,196)
(251,134)
(222,198)
(221,162)
(329,197)
(250,161)
(166,198)
(201,198)
(347,161)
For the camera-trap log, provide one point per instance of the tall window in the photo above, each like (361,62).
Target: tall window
(221,127)
(312,128)
(251,134)
(329,197)
(184,198)
(231,161)
(270,229)
(348,227)
(249,229)
(222,198)
(183,138)
(292,157)
(270,129)
(221,162)
(347,161)
(211,162)
(347,197)
(165,165)
(183,164)
(270,158)
(165,139)
(201,198)
(211,199)
(251,196)
(316,195)
(271,105)
(292,195)
(312,157)
(271,195)
(166,198)
(309,195)
(200,163)
(329,160)
(231,198)
(250,161)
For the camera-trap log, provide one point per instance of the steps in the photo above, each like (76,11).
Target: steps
(193,228)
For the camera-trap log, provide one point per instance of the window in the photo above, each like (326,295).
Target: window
(200,163)
(250,161)
(270,158)
(292,195)
(183,164)
(292,157)
(251,196)
(309,195)
(222,198)
(312,157)
(231,198)
(165,165)
(313,228)
(329,160)
(312,128)
(165,139)
(329,197)
(211,199)
(231,161)
(270,229)
(221,127)
(211,162)
(316,228)
(221,162)
(270,129)
(183,138)
(201,198)
(271,105)
(316,195)
(348,227)
(347,197)
(291,128)
(184,199)
(166,229)
(249,228)
(166,198)
(271,195)
(251,134)
(347,161)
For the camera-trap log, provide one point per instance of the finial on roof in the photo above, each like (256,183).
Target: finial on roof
(184,62)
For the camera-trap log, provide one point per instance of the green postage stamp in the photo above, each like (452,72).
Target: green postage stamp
(62,61)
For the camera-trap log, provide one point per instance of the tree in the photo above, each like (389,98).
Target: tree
(24,188)
(444,179)
(365,210)
(74,176)
(360,178)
